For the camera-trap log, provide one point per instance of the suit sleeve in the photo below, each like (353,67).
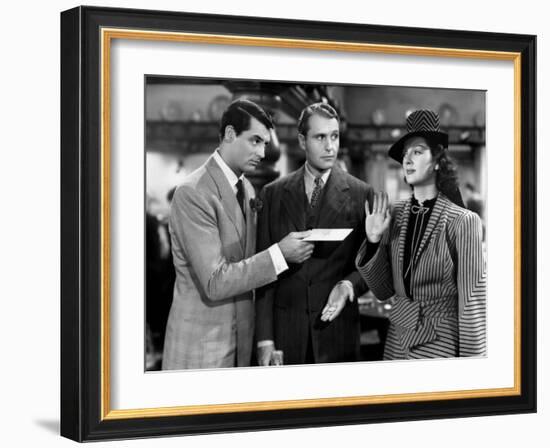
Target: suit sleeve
(359,285)
(377,271)
(264,295)
(471,283)
(194,226)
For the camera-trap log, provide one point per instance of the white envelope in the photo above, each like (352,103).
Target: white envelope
(328,234)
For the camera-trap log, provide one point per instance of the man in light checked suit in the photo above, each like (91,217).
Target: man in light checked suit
(213,232)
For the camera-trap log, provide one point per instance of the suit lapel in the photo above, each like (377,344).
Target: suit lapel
(228,198)
(335,196)
(294,199)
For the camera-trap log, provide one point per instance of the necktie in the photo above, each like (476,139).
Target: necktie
(240,196)
(316,194)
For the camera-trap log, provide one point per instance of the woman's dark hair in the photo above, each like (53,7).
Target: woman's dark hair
(446,176)
(238,115)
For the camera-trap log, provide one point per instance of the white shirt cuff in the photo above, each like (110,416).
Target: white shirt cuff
(350,286)
(278,259)
(265,343)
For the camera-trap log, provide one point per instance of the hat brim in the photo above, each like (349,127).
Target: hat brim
(396,150)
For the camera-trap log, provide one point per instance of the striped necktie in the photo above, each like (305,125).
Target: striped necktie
(316,194)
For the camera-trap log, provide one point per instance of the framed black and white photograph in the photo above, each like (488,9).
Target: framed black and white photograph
(276,224)
(183,119)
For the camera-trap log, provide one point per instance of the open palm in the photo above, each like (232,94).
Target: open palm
(377,221)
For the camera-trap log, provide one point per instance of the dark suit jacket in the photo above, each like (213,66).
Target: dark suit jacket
(289,310)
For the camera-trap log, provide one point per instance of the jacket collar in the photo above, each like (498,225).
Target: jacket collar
(438,216)
(227,196)
(333,200)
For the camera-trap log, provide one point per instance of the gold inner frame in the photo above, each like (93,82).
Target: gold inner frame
(107,35)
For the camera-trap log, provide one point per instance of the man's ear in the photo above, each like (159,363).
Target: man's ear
(302,141)
(229,134)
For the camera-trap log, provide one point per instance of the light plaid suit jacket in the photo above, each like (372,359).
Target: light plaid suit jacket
(211,321)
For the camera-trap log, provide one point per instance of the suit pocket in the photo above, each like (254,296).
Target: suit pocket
(218,342)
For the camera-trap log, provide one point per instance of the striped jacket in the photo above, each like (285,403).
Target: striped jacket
(447,316)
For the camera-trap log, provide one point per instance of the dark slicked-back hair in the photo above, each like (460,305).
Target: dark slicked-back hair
(238,115)
(321,109)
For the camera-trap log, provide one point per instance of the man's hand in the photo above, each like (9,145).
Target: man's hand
(340,294)
(294,249)
(264,354)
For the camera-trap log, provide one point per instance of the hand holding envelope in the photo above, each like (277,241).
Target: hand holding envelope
(328,235)
(342,291)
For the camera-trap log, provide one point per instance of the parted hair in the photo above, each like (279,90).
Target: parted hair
(238,115)
(321,109)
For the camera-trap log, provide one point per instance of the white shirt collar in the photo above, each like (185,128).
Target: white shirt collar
(228,172)
(310,177)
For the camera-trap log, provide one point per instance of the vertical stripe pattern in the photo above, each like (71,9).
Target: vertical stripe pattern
(447,317)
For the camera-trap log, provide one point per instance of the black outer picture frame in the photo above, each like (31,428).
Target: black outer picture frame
(81,224)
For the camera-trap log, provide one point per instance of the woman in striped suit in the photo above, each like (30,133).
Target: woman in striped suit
(426,255)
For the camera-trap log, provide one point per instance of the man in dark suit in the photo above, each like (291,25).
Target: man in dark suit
(310,312)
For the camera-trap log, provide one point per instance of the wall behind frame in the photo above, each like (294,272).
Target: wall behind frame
(29,235)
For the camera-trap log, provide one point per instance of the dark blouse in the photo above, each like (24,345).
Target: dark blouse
(419,215)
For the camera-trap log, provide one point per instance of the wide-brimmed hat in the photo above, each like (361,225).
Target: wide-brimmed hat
(420,123)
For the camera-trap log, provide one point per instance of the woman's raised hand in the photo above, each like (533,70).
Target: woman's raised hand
(377,221)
